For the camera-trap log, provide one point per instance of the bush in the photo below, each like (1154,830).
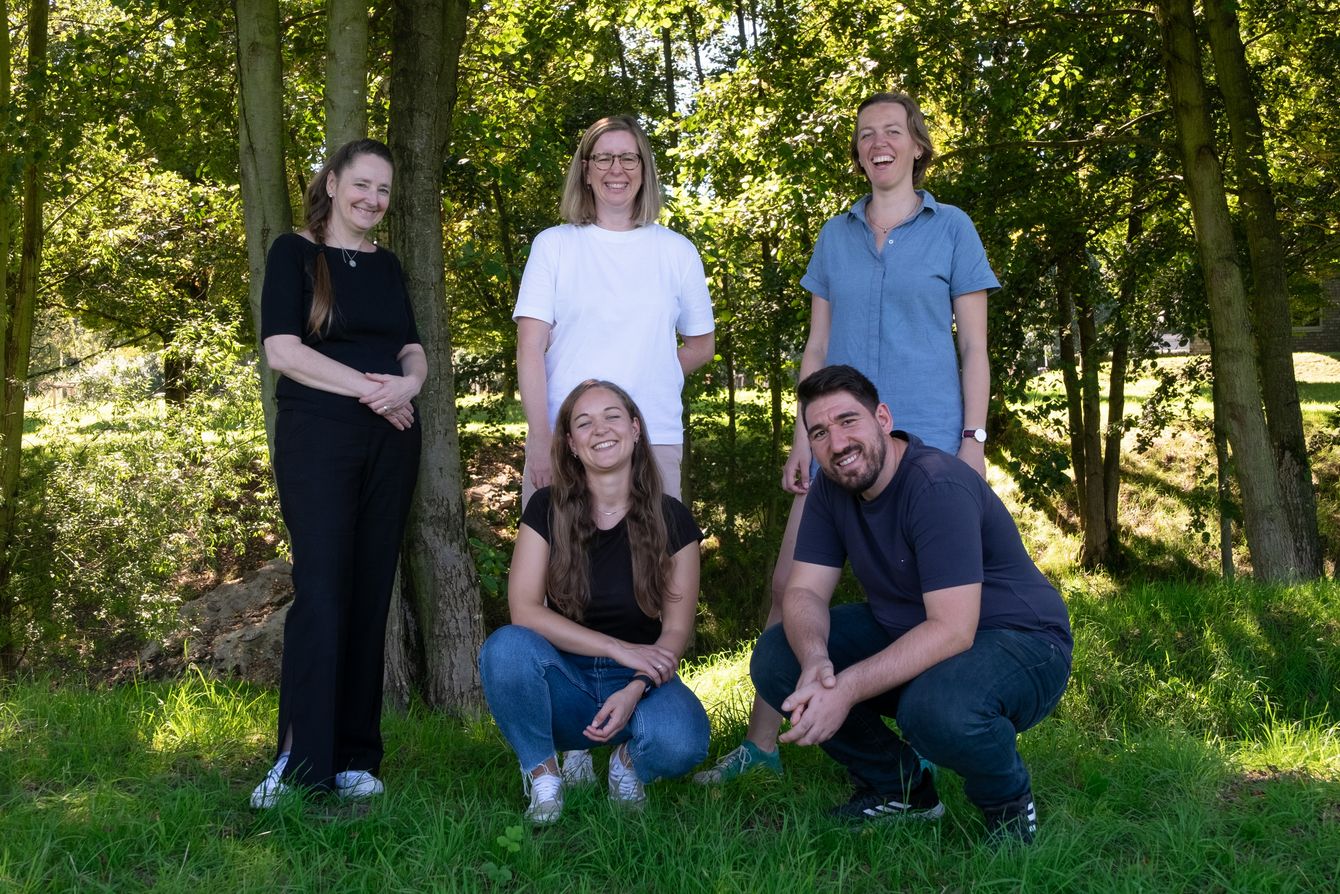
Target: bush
(130,503)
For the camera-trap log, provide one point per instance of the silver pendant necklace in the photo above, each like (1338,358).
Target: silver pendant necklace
(350,257)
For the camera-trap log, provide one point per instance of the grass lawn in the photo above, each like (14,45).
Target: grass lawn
(1198,749)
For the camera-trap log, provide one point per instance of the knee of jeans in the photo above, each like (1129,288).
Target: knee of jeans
(773,667)
(506,651)
(671,753)
(936,725)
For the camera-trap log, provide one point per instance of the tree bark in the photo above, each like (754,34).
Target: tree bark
(1116,390)
(18,331)
(1097,548)
(1270,286)
(440,588)
(266,212)
(1274,557)
(1069,363)
(346,100)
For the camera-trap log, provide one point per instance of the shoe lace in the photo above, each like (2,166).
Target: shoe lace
(629,786)
(543,788)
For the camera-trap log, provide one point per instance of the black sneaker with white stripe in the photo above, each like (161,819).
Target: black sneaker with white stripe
(1015,820)
(868,805)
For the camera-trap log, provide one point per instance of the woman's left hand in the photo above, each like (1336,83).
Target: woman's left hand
(392,393)
(613,715)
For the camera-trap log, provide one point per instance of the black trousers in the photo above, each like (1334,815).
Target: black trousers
(345,491)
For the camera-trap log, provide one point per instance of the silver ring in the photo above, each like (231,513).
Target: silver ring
(385,408)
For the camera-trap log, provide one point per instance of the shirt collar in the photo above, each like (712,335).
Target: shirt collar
(928,203)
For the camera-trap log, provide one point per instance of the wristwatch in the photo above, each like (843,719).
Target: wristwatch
(977,434)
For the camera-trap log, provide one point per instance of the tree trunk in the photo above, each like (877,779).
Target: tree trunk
(266,212)
(18,332)
(440,588)
(1068,361)
(1116,391)
(1097,548)
(1223,497)
(346,99)
(1270,287)
(1274,557)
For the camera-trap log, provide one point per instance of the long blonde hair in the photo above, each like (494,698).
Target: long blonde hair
(316,208)
(571,525)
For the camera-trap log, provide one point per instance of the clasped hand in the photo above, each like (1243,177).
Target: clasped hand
(818,707)
(655,661)
(392,398)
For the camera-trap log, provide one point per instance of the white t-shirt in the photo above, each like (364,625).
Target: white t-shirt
(615,300)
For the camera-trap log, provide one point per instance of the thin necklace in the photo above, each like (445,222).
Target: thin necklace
(349,255)
(612,511)
(870,218)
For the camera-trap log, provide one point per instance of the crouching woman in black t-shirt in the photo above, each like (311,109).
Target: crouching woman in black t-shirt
(603,592)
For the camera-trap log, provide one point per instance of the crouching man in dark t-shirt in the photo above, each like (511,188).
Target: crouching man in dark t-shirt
(962,640)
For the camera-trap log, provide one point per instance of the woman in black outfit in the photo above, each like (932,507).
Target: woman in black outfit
(337,325)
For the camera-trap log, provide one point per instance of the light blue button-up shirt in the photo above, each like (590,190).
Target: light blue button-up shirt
(893,311)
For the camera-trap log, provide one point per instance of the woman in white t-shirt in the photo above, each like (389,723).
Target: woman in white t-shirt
(611,295)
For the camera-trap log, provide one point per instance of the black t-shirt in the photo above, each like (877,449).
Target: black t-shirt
(613,609)
(371,319)
(936,524)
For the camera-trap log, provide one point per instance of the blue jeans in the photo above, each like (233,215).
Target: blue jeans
(963,713)
(543,699)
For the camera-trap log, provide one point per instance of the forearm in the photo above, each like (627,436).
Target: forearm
(414,364)
(562,632)
(533,382)
(975,373)
(913,653)
(805,620)
(695,351)
(289,357)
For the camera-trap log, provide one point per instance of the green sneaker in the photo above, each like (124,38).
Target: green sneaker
(748,758)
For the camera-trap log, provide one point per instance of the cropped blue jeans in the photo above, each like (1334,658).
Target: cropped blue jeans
(543,699)
(964,713)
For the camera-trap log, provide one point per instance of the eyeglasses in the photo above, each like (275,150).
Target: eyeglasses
(629,161)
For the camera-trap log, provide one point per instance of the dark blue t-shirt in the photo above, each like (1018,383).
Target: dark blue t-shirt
(937,524)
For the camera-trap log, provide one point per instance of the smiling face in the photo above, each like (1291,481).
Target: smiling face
(850,443)
(359,196)
(615,191)
(601,431)
(885,148)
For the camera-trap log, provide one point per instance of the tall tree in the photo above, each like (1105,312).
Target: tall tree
(266,211)
(439,585)
(20,308)
(1271,319)
(1273,553)
(346,101)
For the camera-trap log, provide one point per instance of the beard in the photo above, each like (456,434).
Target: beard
(856,479)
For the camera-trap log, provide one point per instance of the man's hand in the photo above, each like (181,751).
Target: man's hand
(818,708)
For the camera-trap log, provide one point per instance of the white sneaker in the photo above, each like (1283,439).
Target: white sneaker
(546,797)
(268,793)
(356,784)
(625,788)
(578,769)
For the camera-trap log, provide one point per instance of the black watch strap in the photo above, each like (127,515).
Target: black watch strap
(647,683)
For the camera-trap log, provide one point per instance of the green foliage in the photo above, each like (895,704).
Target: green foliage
(129,502)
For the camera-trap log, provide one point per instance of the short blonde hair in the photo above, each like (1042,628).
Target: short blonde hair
(578,205)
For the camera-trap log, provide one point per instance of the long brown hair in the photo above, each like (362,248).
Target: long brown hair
(316,208)
(571,526)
